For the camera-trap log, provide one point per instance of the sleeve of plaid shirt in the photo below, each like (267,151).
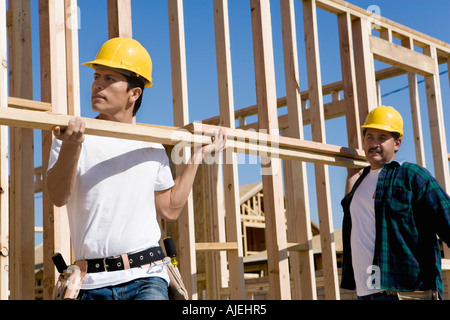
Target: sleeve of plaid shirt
(433,196)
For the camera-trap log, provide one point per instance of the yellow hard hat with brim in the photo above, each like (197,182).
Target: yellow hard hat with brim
(384,118)
(125,54)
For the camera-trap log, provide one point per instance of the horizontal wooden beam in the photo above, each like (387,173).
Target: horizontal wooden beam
(195,134)
(262,144)
(402,57)
(420,39)
(27,104)
(216,246)
(299,246)
(151,133)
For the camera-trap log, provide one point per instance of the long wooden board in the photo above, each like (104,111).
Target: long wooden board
(48,120)
(401,57)
(241,141)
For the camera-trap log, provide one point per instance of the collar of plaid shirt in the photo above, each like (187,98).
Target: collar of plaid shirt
(411,207)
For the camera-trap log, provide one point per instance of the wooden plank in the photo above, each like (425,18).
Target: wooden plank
(401,57)
(400,31)
(72,60)
(186,234)
(349,81)
(386,34)
(49,275)
(119,19)
(364,68)
(437,127)
(415,110)
(295,176)
(437,132)
(21,251)
(239,140)
(19,103)
(53,90)
(230,170)
(216,265)
(144,132)
(445,264)
(318,134)
(178,62)
(252,142)
(300,246)
(448,68)
(4,167)
(276,243)
(216,246)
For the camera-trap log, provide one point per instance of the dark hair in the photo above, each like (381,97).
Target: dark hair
(135,82)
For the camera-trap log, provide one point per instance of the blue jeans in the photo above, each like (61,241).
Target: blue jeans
(151,288)
(379,296)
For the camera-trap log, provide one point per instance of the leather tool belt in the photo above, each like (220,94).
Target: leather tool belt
(125,261)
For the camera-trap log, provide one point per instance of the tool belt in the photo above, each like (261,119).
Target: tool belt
(70,280)
(125,261)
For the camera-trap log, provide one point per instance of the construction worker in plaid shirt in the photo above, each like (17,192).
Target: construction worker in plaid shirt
(392,214)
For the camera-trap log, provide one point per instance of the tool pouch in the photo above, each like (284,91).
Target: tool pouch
(69,283)
(177,290)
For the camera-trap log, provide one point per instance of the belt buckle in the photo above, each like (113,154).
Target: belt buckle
(105,265)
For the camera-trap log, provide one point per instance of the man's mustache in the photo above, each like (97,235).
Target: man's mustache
(375,149)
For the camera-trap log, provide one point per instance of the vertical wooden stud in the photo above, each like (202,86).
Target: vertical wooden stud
(230,170)
(349,81)
(295,177)
(437,132)
(436,119)
(415,110)
(318,134)
(217,273)
(54,90)
(22,159)
(4,176)
(364,67)
(119,19)
(276,242)
(186,234)
(73,70)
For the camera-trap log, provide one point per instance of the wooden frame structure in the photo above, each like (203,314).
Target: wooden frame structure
(290,256)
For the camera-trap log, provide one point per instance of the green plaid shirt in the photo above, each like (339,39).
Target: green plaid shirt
(411,207)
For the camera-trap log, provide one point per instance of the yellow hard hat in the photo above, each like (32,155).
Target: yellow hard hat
(125,54)
(384,118)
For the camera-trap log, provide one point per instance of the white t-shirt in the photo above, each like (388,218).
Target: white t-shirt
(362,211)
(112,207)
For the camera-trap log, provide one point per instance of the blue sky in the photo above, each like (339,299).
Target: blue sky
(150,27)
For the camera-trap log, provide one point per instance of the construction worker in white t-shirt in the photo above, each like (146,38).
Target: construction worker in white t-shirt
(114,188)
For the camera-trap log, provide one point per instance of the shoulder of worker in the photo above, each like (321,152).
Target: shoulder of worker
(417,175)
(414,169)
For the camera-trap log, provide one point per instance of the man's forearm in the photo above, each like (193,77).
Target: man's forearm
(170,203)
(183,184)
